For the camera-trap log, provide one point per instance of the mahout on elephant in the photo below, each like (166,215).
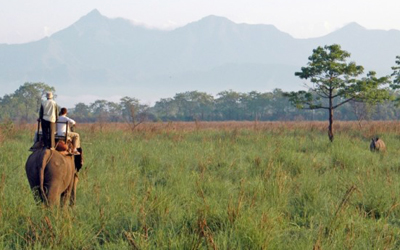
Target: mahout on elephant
(52,175)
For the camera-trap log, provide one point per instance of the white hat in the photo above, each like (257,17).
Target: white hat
(49,95)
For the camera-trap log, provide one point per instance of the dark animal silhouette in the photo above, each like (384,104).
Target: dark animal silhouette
(377,145)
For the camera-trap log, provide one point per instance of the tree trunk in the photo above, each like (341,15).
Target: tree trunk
(330,132)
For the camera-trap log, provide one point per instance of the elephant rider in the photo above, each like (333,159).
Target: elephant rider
(48,116)
(62,128)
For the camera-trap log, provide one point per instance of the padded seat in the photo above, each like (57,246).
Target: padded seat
(57,137)
(62,137)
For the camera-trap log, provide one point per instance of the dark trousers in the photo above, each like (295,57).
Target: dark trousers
(48,130)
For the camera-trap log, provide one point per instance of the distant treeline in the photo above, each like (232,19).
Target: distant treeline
(24,103)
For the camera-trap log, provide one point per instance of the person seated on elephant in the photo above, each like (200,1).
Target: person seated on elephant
(62,128)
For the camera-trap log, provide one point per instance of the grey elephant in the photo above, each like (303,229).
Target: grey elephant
(52,176)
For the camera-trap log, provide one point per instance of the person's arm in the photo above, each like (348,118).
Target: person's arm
(72,122)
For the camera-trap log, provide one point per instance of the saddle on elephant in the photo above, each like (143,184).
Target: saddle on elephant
(66,148)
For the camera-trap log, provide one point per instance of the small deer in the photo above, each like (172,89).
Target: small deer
(377,145)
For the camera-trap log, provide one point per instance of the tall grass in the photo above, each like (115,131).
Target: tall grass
(213,186)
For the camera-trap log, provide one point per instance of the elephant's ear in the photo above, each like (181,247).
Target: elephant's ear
(39,157)
(79,160)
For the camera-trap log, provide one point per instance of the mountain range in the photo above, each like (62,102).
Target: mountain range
(99,56)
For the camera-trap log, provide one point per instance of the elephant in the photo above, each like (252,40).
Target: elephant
(52,176)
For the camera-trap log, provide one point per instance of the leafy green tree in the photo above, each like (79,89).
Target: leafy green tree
(129,108)
(166,109)
(396,81)
(192,105)
(99,110)
(82,113)
(185,106)
(200,103)
(99,107)
(255,104)
(229,104)
(396,74)
(281,109)
(114,112)
(25,102)
(30,97)
(7,106)
(336,82)
(133,112)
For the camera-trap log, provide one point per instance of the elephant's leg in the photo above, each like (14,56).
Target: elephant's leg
(73,193)
(36,194)
(53,196)
(65,197)
(34,183)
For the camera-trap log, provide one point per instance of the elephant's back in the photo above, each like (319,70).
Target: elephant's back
(60,160)
(59,167)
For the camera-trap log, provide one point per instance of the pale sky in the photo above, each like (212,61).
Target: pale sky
(26,20)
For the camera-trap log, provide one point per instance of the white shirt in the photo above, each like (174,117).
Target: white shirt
(61,127)
(49,110)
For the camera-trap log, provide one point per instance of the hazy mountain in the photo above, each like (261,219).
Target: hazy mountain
(374,49)
(102,56)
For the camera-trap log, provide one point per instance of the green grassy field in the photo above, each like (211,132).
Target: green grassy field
(213,186)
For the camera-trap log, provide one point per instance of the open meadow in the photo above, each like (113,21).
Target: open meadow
(214,185)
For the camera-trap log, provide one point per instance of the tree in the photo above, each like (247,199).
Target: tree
(7,106)
(25,102)
(336,82)
(99,107)
(198,104)
(396,81)
(30,97)
(396,74)
(129,105)
(82,112)
(114,112)
(229,105)
(99,110)
(166,109)
(133,112)
(255,104)
(362,111)
(281,109)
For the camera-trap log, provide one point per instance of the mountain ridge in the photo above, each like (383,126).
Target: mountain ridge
(97,54)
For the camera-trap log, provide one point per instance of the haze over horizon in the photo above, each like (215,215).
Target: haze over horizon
(268,57)
(23,21)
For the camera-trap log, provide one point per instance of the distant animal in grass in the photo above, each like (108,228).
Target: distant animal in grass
(377,145)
